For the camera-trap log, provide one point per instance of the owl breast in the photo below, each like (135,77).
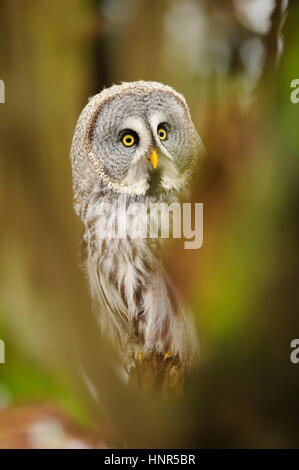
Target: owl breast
(133,298)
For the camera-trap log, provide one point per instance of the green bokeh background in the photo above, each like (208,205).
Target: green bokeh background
(242,284)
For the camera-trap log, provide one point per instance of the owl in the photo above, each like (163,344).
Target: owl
(134,143)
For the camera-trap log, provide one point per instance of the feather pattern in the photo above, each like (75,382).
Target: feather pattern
(132,295)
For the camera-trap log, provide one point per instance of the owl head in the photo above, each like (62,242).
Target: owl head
(134,138)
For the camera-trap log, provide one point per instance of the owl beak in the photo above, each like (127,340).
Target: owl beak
(154,157)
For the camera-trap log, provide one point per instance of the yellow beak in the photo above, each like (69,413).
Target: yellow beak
(154,158)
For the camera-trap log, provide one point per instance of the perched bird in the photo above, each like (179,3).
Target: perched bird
(133,143)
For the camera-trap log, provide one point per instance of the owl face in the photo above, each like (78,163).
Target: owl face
(139,132)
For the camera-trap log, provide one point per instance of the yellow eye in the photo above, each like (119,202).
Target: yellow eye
(162,133)
(128,140)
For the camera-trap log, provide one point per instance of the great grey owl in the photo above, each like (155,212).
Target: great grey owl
(133,143)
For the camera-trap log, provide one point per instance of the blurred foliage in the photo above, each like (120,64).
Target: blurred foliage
(242,284)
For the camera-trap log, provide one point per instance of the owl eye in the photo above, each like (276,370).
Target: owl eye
(162,133)
(128,140)
(129,137)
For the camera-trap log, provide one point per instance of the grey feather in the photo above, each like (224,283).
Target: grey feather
(133,297)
